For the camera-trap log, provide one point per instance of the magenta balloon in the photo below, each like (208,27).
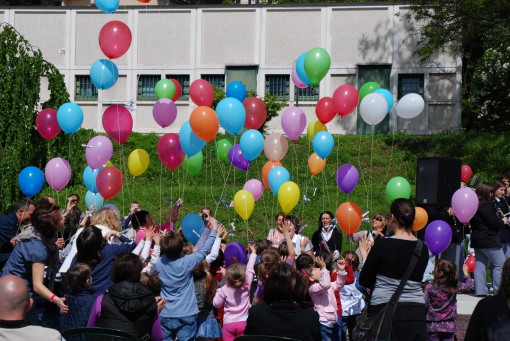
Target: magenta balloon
(297,82)
(293,122)
(464,204)
(170,151)
(98,152)
(347,177)
(57,173)
(255,187)
(47,124)
(118,123)
(237,159)
(438,236)
(164,112)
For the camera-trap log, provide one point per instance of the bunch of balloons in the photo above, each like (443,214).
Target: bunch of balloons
(311,67)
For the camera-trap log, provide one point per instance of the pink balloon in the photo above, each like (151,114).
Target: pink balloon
(57,173)
(464,204)
(114,39)
(293,122)
(47,124)
(255,187)
(118,123)
(345,99)
(170,151)
(164,112)
(98,152)
(297,82)
(201,92)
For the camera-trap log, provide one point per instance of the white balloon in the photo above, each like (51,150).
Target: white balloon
(373,108)
(410,106)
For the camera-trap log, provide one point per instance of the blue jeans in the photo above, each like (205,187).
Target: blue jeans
(326,332)
(496,257)
(184,328)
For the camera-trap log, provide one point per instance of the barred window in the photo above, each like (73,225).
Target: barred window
(308,94)
(184,81)
(411,83)
(85,90)
(146,85)
(216,80)
(278,85)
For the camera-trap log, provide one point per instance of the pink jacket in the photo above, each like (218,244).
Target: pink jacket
(323,295)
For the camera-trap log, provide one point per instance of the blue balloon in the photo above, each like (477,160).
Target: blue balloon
(231,114)
(277,177)
(104,74)
(237,90)
(31,180)
(300,69)
(70,117)
(190,143)
(94,199)
(112,206)
(89,178)
(107,6)
(323,144)
(252,143)
(388,96)
(192,227)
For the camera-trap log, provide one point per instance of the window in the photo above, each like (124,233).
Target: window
(146,85)
(308,94)
(184,82)
(216,80)
(278,85)
(85,90)
(410,83)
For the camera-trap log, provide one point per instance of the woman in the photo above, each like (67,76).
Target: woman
(276,235)
(485,226)
(503,209)
(384,267)
(327,237)
(377,232)
(300,243)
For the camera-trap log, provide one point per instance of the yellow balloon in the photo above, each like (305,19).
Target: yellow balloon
(244,203)
(108,164)
(314,127)
(138,162)
(288,196)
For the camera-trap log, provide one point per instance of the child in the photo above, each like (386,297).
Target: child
(79,297)
(351,297)
(208,327)
(235,296)
(441,299)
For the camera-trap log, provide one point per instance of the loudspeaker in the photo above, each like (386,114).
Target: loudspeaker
(436,181)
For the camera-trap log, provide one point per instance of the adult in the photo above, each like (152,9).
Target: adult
(327,237)
(485,226)
(72,217)
(133,208)
(14,306)
(503,210)
(275,236)
(377,231)
(385,266)
(300,243)
(455,251)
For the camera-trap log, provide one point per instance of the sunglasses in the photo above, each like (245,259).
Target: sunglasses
(74,201)
(378,218)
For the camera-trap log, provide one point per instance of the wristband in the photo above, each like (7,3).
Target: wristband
(52,298)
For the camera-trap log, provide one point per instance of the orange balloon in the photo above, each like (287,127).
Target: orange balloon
(265,172)
(420,219)
(316,164)
(204,123)
(348,216)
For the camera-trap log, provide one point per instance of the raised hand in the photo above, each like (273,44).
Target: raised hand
(320,262)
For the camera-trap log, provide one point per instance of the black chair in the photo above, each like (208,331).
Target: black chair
(264,338)
(97,334)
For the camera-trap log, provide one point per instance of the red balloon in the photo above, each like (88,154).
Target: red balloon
(201,92)
(47,124)
(114,39)
(471,263)
(118,123)
(109,182)
(256,112)
(325,110)
(465,173)
(178,89)
(345,99)
(170,151)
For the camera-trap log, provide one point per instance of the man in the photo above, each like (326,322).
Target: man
(14,306)
(126,223)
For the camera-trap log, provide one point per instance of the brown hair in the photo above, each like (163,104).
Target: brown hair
(284,283)
(201,271)
(127,267)
(236,275)
(445,276)
(77,276)
(268,259)
(187,248)
(504,287)
(484,191)
(355,259)
(172,245)
(152,282)
(108,217)
(46,218)
(403,210)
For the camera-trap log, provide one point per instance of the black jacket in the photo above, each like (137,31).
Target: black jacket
(485,226)
(334,243)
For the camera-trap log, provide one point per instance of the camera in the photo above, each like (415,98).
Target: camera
(205,218)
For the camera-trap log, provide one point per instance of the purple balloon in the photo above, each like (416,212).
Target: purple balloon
(255,187)
(293,122)
(438,236)
(57,173)
(464,204)
(347,177)
(236,158)
(234,251)
(164,112)
(297,82)
(98,152)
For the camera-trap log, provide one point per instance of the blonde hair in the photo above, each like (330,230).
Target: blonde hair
(108,217)
(236,275)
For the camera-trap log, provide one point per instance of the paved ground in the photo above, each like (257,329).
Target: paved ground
(465,306)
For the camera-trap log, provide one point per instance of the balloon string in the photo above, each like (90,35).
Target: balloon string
(234,187)
(224,185)
(324,194)
(359,162)
(337,163)
(296,160)
(123,170)
(391,154)
(172,188)
(371,169)
(68,157)
(160,191)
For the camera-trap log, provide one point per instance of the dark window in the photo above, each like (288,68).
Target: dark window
(216,80)
(184,81)
(308,94)
(85,90)
(278,85)
(146,85)
(410,83)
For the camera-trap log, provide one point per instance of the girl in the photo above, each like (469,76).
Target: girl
(79,297)
(441,299)
(208,327)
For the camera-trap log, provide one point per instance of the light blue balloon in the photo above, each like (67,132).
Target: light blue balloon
(190,143)
(104,74)
(94,199)
(300,69)
(231,114)
(70,117)
(252,143)
(31,180)
(323,144)
(277,177)
(237,90)
(89,178)
(388,96)
(192,227)
(107,6)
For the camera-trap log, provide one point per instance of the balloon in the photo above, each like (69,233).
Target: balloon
(114,39)
(300,69)
(251,143)
(465,173)
(275,146)
(438,236)
(388,96)
(325,109)
(193,164)
(94,199)
(112,206)
(313,128)
(108,164)
(178,90)
(70,117)
(118,123)
(201,92)
(99,150)
(347,177)
(109,182)
(31,180)
(107,6)
(234,253)
(368,88)
(165,88)
(244,203)
(277,177)
(231,114)
(410,106)
(204,123)
(104,74)
(348,216)
(345,99)
(471,263)
(192,227)
(255,187)
(138,162)
(236,90)
(293,122)
(89,179)
(288,196)
(237,159)
(297,82)
(164,112)
(256,112)
(190,143)
(464,204)
(47,124)
(317,63)
(57,173)
(323,144)
(222,148)
(420,219)
(373,108)
(316,164)
(265,172)
(170,151)
(398,187)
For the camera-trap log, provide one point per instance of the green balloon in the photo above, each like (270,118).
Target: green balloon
(398,187)
(165,88)
(193,164)
(317,63)
(222,148)
(368,88)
